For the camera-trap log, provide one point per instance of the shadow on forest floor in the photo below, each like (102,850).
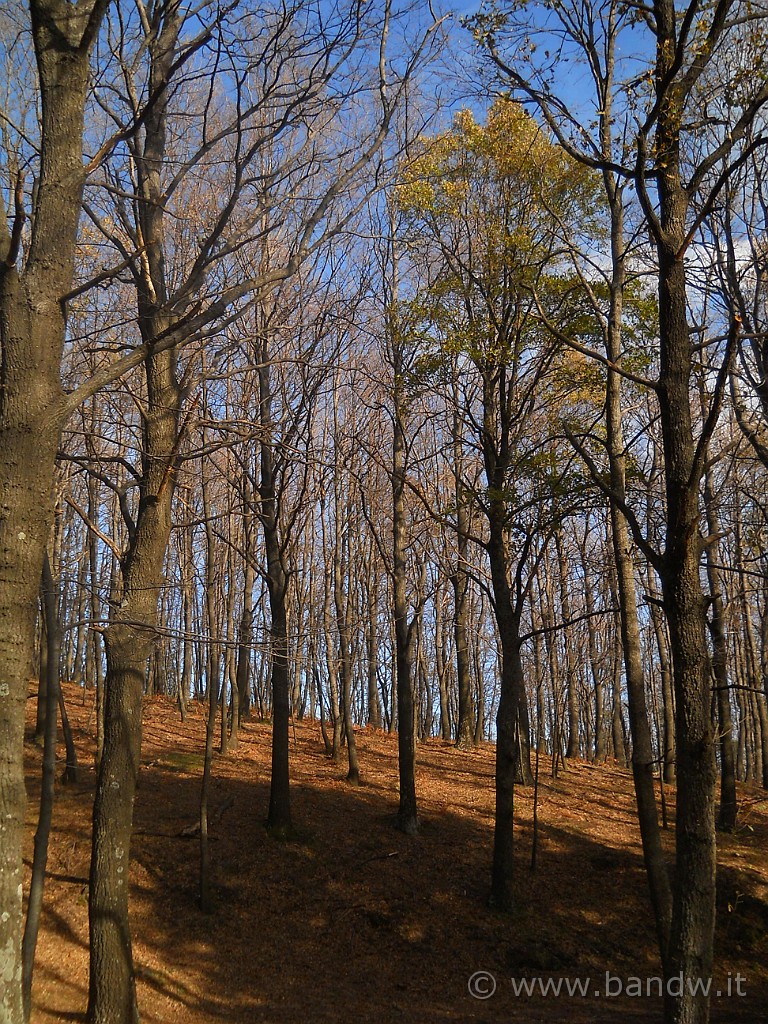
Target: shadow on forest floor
(352,922)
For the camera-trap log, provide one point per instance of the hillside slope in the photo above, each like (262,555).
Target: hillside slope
(352,922)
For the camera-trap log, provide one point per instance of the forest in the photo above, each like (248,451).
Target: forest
(393,370)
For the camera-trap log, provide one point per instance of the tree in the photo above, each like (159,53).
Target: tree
(676,183)
(36,274)
(483,203)
(283,129)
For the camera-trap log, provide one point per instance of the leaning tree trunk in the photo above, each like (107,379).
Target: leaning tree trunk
(643,759)
(132,631)
(129,642)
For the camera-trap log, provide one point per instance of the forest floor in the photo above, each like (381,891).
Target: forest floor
(352,922)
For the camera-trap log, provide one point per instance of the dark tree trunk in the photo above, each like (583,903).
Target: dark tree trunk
(132,632)
(342,604)
(726,820)
(279,816)
(52,639)
(693,910)
(513,752)
(407,817)
(442,669)
(572,749)
(465,727)
(374,707)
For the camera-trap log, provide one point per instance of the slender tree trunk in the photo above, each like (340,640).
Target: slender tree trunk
(374,708)
(279,816)
(213,698)
(642,743)
(345,655)
(572,698)
(465,728)
(52,635)
(407,818)
(665,671)
(727,815)
(342,599)
(600,748)
(442,655)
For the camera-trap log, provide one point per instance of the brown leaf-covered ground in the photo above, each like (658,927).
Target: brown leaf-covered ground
(351,922)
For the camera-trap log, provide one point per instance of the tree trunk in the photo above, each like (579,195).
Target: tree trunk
(32,334)
(572,749)
(693,910)
(245,637)
(213,696)
(374,708)
(642,744)
(52,638)
(279,816)
(407,817)
(342,601)
(465,728)
(726,820)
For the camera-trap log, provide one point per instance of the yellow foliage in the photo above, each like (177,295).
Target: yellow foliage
(501,176)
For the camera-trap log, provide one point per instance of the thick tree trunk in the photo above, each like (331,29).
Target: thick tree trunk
(32,333)
(693,911)
(129,642)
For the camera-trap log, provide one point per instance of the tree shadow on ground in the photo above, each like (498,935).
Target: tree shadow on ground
(352,922)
